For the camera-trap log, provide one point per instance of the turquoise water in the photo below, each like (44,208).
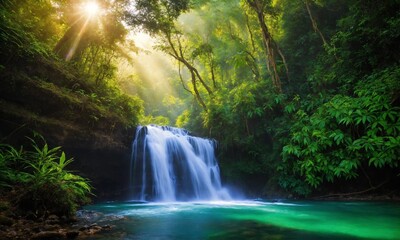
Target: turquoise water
(250,220)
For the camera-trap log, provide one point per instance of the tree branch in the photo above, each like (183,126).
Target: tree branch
(181,78)
(352,193)
(314,22)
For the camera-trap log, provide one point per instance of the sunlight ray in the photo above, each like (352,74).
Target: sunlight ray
(75,44)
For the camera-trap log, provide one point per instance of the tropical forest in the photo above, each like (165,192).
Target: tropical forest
(199,119)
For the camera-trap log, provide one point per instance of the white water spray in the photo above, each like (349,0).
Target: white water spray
(170,165)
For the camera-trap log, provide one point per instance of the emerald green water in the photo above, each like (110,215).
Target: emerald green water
(250,220)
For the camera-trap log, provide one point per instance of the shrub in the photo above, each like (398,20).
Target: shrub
(42,184)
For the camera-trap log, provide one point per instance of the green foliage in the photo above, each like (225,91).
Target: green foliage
(10,159)
(158,120)
(339,109)
(352,123)
(156,15)
(183,119)
(41,182)
(368,37)
(86,87)
(38,18)
(15,40)
(347,132)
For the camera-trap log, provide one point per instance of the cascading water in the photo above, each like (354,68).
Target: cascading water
(170,165)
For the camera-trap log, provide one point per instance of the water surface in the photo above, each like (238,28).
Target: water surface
(250,220)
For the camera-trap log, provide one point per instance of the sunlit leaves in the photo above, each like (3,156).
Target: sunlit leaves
(16,42)
(183,119)
(156,15)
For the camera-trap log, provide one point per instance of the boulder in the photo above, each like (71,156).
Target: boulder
(48,235)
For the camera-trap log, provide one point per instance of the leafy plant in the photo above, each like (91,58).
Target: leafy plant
(346,132)
(9,160)
(43,184)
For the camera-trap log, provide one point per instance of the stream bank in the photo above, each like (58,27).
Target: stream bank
(53,227)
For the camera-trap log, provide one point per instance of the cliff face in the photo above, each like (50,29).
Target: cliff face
(107,168)
(40,96)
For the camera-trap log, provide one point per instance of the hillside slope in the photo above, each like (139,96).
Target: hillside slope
(41,93)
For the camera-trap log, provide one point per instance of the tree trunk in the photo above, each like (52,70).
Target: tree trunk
(270,46)
(269,51)
(178,55)
(313,22)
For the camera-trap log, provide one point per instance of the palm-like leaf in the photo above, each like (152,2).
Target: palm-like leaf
(46,183)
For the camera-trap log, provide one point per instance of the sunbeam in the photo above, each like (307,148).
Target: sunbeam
(91,9)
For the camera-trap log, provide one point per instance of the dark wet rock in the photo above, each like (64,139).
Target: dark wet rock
(106,227)
(72,234)
(109,218)
(72,219)
(94,229)
(88,216)
(3,228)
(53,218)
(31,216)
(51,227)
(6,221)
(8,213)
(12,234)
(54,227)
(52,222)
(93,225)
(35,228)
(83,228)
(48,235)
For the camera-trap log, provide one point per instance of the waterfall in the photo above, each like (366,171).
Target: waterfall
(168,164)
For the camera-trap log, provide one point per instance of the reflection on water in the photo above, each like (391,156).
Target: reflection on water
(251,220)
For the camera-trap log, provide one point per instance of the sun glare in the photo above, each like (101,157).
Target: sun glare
(91,8)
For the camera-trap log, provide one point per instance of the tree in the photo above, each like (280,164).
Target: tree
(346,126)
(313,21)
(158,18)
(262,8)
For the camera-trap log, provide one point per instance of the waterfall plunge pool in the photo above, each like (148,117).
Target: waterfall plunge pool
(249,220)
(169,166)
